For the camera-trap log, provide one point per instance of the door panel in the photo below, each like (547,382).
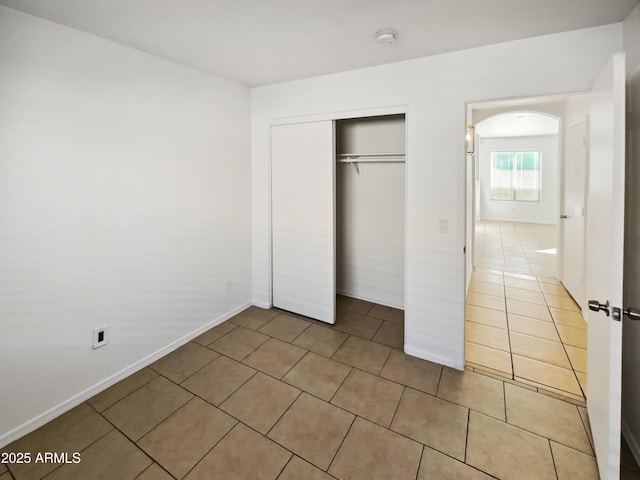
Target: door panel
(303,213)
(604,247)
(573,224)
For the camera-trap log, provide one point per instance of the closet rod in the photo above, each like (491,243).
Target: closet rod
(370,160)
(369,155)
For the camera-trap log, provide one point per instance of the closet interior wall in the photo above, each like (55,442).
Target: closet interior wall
(370,209)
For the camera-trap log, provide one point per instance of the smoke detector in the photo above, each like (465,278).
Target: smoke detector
(387,37)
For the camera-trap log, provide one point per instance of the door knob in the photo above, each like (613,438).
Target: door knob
(596,306)
(632,313)
(563,216)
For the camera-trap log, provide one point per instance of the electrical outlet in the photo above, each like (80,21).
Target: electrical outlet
(228,284)
(100,336)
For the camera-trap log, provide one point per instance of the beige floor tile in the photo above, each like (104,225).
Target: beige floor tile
(254,317)
(519,276)
(275,357)
(284,327)
(312,429)
(363,354)
(547,374)
(387,313)
(486,316)
(539,349)
(530,310)
(574,465)
(356,324)
(113,456)
(525,295)
(585,421)
(186,436)
(432,421)
(546,416)
(378,454)
(5,476)
(218,380)
(145,408)
(486,301)
(298,469)
(350,304)
(490,357)
(413,372)
(211,335)
(437,466)
(154,472)
(576,337)
(507,452)
(574,399)
(522,283)
(578,358)
(473,390)
(561,301)
(548,279)
(582,380)
(566,317)
(260,402)
(239,343)
(495,278)
(184,361)
(369,396)
(71,432)
(533,327)
(318,375)
(322,340)
(117,392)
(483,370)
(486,288)
(391,334)
(245,453)
(553,288)
(487,336)
(3,468)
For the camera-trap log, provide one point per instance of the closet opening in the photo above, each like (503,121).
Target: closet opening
(370,227)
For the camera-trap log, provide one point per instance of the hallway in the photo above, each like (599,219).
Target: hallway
(520,321)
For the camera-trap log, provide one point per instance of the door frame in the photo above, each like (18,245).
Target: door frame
(333,116)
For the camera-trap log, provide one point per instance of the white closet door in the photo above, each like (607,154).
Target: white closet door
(303,213)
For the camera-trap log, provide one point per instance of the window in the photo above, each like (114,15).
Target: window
(515,176)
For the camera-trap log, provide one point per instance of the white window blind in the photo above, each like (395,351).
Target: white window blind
(515,176)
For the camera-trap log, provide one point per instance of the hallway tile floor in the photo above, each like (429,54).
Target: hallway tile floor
(268,394)
(521,323)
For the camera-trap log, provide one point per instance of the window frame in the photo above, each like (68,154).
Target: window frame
(514,152)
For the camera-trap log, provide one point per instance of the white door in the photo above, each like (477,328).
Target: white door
(302,214)
(573,212)
(604,248)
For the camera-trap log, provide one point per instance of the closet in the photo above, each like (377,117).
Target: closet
(337,213)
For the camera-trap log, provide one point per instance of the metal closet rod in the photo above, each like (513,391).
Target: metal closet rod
(370,157)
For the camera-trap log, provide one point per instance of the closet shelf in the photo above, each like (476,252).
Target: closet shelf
(370,157)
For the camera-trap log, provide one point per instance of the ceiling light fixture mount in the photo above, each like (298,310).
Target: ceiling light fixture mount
(387,37)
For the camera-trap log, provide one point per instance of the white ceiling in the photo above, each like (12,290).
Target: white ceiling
(518,124)
(258,42)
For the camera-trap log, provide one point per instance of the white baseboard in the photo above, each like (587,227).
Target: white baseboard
(632,441)
(416,352)
(262,304)
(86,394)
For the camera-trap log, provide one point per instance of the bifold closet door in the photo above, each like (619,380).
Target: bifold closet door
(303,218)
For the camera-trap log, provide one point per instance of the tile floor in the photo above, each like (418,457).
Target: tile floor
(271,395)
(520,322)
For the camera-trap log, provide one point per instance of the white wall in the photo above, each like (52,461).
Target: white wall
(631,294)
(125,199)
(544,211)
(370,212)
(434,91)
